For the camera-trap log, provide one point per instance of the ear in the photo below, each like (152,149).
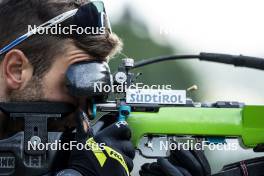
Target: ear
(17,70)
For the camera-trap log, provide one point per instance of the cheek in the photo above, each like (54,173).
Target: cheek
(54,88)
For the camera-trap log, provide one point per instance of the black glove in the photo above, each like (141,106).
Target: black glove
(114,158)
(180,163)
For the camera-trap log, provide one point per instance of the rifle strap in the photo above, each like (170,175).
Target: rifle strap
(250,167)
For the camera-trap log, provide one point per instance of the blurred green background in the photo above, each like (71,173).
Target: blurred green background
(138,44)
(151,29)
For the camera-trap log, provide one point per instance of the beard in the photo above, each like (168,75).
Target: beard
(33,91)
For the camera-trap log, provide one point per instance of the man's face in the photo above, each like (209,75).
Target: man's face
(51,87)
(54,85)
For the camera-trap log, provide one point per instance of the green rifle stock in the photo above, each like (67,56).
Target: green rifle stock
(246,123)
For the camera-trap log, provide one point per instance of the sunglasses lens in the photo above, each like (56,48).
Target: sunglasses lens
(92,15)
(99,5)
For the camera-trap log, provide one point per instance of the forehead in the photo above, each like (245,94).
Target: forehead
(72,54)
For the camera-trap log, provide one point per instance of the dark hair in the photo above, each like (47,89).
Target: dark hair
(16,15)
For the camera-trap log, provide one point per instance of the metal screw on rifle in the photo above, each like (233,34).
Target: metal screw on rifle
(125,113)
(35,140)
(128,62)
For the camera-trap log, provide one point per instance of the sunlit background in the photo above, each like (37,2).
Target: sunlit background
(153,28)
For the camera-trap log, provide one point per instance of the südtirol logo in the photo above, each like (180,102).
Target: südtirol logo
(152,96)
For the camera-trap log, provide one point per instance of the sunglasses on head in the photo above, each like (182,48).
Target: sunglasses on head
(91,15)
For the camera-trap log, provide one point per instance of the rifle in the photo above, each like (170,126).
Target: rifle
(213,122)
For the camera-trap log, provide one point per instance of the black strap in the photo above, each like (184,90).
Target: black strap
(36,107)
(251,167)
(243,168)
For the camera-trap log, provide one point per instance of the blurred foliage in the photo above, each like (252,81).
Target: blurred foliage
(138,45)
